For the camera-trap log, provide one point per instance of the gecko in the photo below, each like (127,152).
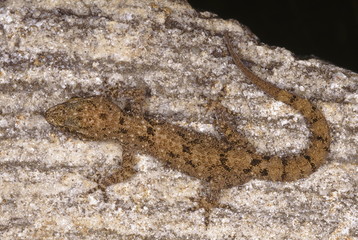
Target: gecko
(219,162)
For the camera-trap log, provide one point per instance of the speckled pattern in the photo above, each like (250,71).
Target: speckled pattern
(166,62)
(217,162)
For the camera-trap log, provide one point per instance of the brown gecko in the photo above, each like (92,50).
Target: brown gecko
(220,163)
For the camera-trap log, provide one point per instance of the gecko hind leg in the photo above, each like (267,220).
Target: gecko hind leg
(208,200)
(224,122)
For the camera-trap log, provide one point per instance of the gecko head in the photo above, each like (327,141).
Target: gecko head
(93,118)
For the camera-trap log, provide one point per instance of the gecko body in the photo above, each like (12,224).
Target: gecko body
(220,163)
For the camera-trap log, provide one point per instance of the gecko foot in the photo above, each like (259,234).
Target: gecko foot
(100,187)
(208,206)
(208,200)
(224,121)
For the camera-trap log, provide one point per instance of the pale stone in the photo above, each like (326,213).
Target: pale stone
(54,50)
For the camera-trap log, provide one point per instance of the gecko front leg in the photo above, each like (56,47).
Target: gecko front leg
(123,173)
(208,200)
(136,100)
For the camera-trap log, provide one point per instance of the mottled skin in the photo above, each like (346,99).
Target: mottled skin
(220,163)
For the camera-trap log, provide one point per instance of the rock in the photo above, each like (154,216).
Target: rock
(54,50)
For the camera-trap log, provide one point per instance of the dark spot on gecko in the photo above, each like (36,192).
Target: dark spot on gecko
(150,131)
(188,161)
(320,138)
(122,130)
(284,161)
(249,151)
(223,161)
(127,108)
(307,157)
(195,141)
(186,149)
(152,120)
(92,103)
(209,178)
(313,166)
(121,121)
(181,134)
(227,149)
(168,163)
(229,135)
(264,172)
(147,116)
(247,170)
(172,155)
(313,120)
(293,98)
(229,184)
(103,116)
(150,143)
(255,162)
(266,158)
(211,167)
(143,138)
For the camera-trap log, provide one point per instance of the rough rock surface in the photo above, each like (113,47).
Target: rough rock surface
(54,50)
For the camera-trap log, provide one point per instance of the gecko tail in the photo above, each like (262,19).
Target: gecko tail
(299,166)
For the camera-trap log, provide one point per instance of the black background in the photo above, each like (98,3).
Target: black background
(325,29)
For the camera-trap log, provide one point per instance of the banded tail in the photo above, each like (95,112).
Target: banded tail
(297,166)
